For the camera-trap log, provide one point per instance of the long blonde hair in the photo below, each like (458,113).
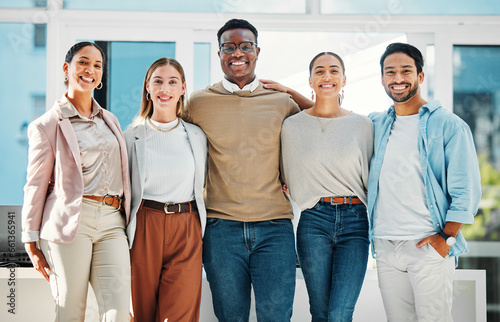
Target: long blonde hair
(147,108)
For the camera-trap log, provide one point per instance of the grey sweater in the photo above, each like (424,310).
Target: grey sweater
(319,164)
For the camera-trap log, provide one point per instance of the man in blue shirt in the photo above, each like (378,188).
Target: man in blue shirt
(424,186)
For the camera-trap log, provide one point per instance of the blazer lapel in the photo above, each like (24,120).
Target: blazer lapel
(140,148)
(194,141)
(70,137)
(116,131)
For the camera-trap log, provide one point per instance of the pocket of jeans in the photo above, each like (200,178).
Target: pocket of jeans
(285,222)
(360,210)
(212,222)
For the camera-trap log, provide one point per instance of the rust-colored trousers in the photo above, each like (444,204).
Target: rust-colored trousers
(166,267)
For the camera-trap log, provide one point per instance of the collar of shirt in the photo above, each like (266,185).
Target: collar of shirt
(68,110)
(231,87)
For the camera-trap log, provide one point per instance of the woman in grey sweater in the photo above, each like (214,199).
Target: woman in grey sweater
(326,152)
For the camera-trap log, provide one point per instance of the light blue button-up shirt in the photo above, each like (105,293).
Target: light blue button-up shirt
(449,165)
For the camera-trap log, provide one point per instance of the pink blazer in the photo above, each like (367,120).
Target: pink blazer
(54,156)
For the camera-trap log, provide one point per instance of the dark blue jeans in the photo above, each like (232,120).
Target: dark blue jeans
(332,243)
(237,255)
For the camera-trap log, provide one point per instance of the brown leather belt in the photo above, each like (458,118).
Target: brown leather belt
(109,200)
(347,200)
(170,207)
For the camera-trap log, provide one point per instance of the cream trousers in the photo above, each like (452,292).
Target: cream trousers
(416,283)
(99,255)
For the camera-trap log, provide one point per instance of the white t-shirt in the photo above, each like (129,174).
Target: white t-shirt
(400,210)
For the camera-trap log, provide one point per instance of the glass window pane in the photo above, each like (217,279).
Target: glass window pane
(429,68)
(128,63)
(22,3)
(363,92)
(255,6)
(23,79)
(423,7)
(476,99)
(201,65)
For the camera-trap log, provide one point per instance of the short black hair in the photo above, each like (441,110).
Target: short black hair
(408,49)
(311,64)
(237,24)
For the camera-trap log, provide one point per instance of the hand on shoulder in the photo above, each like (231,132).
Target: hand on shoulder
(270,84)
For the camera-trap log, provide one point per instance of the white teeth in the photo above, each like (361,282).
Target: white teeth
(238,63)
(399,87)
(326,85)
(87,79)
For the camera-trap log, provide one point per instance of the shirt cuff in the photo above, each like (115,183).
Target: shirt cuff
(30,236)
(463,217)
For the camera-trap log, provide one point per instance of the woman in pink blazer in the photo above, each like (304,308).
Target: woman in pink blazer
(77,196)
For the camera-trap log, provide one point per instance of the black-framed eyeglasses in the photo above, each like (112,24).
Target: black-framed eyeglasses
(230,47)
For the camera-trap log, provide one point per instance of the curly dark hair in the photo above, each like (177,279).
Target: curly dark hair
(237,24)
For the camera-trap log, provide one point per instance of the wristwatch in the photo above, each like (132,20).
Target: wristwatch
(450,240)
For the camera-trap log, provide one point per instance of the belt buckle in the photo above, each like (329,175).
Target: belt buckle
(112,200)
(165,208)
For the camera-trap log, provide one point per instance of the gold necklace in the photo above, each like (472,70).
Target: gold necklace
(321,124)
(161,130)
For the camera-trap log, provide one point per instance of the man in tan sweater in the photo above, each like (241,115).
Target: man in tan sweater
(249,237)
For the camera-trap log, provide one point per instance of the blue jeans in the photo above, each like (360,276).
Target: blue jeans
(332,244)
(237,255)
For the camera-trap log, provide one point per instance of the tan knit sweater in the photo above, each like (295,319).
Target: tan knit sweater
(243,131)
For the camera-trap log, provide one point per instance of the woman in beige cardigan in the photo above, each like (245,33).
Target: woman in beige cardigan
(77,196)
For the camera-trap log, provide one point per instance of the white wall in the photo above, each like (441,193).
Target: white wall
(33,301)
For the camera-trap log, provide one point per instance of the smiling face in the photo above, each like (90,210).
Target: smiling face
(327,77)
(400,77)
(165,87)
(85,70)
(239,67)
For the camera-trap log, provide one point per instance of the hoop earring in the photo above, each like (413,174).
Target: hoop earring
(148,96)
(312,95)
(99,86)
(341,97)
(66,77)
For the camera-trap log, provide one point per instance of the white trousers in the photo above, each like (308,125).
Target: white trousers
(416,283)
(99,255)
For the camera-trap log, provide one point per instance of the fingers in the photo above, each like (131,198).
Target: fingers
(436,242)
(423,242)
(43,268)
(38,259)
(270,84)
(266,81)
